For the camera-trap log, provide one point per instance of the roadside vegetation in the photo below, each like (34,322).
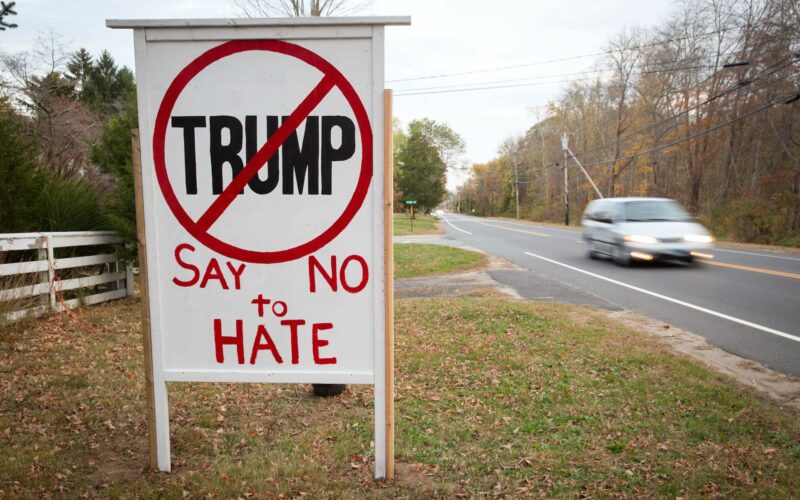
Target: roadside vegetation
(493,398)
(423,224)
(414,259)
(658,119)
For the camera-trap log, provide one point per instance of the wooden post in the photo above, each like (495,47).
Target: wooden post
(388,193)
(146,332)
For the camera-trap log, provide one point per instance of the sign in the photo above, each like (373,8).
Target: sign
(411,202)
(263,204)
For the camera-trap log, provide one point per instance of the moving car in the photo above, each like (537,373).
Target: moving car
(643,229)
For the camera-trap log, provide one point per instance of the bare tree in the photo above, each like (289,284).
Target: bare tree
(299,8)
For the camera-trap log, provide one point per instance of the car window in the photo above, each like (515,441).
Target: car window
(602,211)
(654,210)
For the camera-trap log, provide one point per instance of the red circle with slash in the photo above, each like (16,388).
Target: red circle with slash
(200,228)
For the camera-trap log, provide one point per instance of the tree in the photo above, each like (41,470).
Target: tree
(79,69)
(7,9)
(112,152)
(298,8)
(448,143)
(107,87)
(19,191)
(422,172)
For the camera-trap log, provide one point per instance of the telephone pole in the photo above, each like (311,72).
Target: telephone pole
(516,183)
(565,147)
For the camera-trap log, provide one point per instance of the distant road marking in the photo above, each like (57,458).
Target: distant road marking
(751,269)
(756,254)
(538,226)
(670,299)
(511,229)
(454,227)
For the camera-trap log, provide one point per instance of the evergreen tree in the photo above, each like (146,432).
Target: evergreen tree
(21,185)
(79,70)
(7,9)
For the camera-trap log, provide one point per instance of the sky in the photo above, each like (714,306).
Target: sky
(467,39)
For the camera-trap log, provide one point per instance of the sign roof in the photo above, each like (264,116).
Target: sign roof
(259,22)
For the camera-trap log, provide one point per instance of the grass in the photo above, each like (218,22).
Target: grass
(423,224)
(493,398)
(413,259)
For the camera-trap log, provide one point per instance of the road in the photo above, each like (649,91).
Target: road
(746,302)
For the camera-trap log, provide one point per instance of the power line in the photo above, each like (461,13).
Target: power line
(447,90)
(562,59)
(468,86)
(785,99)
(747,81)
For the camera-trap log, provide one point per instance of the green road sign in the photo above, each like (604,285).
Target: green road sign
(411,202)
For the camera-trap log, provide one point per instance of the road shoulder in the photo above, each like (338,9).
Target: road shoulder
(503,279)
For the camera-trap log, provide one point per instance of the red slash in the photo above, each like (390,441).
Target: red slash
(260,159)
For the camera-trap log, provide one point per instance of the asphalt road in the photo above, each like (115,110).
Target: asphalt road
(746,302)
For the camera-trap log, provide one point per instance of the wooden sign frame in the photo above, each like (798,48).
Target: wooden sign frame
(156,377)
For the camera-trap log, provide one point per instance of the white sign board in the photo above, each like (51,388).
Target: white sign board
(262,174)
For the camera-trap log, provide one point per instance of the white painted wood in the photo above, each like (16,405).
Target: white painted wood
(274,377)
(89,260)
(98,279)
(32,266)
(260,80)
(44,244)
(129,279)
(256,22)
(69,240)
(24,291)
(378,252)
(24,313)
(241,33)
(92,299)
(30,241)
(160,394)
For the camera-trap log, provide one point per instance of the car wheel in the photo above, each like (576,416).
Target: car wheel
(591,249)
(621,257)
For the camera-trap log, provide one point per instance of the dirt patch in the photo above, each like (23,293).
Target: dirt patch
(783,389)
(473,283)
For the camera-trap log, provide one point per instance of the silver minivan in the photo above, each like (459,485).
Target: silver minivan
(643,229)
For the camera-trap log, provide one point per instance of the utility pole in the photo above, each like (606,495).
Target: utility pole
(584,172)
(516,183)
(565,147)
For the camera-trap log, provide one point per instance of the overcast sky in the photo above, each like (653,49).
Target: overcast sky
(445,37)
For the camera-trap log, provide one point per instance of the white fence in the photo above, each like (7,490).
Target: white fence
(31,272)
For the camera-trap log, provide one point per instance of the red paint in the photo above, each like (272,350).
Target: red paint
(293,324)
(364,274)
(213,272)
(267,344)
(186,265)
(199,229)
(282,305)
(237,274)
(222,340)
(317,342)
(314,265)
(260,301)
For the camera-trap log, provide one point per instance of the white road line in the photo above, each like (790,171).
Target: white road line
(717,249)
(674,301)
(511,229)
(454,227)
(537,226)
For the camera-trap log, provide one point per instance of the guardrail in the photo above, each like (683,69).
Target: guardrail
(41,272)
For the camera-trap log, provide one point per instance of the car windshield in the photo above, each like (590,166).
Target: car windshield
(655,210)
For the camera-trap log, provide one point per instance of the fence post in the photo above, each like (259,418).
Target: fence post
(51,271)
(129,279)
(41,254)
